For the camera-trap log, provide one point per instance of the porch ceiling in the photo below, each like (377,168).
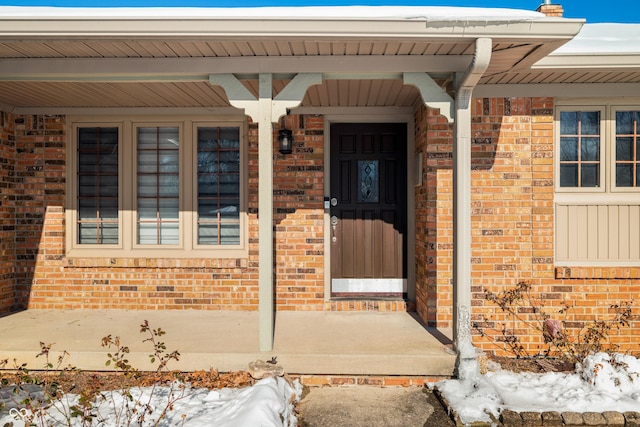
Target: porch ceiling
(72,62)
(59,73)
(110,73)
(331,93)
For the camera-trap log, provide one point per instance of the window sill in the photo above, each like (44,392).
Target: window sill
(162,263)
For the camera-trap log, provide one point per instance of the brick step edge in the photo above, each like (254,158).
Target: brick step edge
(319,380)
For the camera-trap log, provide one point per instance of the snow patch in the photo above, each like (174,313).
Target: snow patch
(604,38)
(604,383)
(268,403)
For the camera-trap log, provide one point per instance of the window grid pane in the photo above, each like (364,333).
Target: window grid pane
(580,149)
(158,184)
(97,193)
(627,154)
(218,186)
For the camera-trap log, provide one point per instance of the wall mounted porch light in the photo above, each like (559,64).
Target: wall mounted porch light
(285,136)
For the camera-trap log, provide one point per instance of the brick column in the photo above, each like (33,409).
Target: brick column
(434,227)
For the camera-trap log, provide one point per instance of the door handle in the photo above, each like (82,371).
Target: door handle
(334,223)
(334,201)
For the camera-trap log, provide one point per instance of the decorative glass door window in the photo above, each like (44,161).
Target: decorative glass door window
(368,181)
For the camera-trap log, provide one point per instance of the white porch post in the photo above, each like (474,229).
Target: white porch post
(462,199)
(260,111)
(265,213)
(461,224)
(265,110)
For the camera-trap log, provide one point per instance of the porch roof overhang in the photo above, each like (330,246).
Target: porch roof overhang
(602,60)
(57,60)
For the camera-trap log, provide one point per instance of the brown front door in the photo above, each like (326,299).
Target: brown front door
(368,209)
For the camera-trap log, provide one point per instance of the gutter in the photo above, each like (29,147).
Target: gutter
(53,27)
(462,200)
(473,74)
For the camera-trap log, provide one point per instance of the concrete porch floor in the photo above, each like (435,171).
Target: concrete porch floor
(330,343)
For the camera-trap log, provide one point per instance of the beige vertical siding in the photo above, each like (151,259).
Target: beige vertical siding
(597,233)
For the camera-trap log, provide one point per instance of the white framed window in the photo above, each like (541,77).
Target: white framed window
(156,187)
(581,153)
(597,183)
(597,148)
(626,146)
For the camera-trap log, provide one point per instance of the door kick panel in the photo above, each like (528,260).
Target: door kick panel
(369,285)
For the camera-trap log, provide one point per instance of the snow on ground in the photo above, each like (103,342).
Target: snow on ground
(603,383)
(268,403)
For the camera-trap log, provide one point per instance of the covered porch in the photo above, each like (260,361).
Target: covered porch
(361,66)
(326,343)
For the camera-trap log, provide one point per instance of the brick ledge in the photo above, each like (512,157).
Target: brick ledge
(597,272)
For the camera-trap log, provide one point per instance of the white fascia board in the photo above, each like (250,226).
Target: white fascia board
(288,28)
(595,61)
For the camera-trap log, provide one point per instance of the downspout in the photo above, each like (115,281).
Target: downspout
(462,199)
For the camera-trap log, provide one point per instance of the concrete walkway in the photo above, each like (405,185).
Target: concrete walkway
(327,343)
(363,406)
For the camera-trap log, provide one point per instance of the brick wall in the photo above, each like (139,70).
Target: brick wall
(7,214)
(46,279)
(512,202)
(298,183)
(39,192)
(512,227)
(512,220)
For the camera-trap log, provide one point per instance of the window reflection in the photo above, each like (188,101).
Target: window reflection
(97,193)
(627,149)
(158,185)
(580,149)
(218,186)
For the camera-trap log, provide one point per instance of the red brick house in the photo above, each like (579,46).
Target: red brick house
(435,152)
